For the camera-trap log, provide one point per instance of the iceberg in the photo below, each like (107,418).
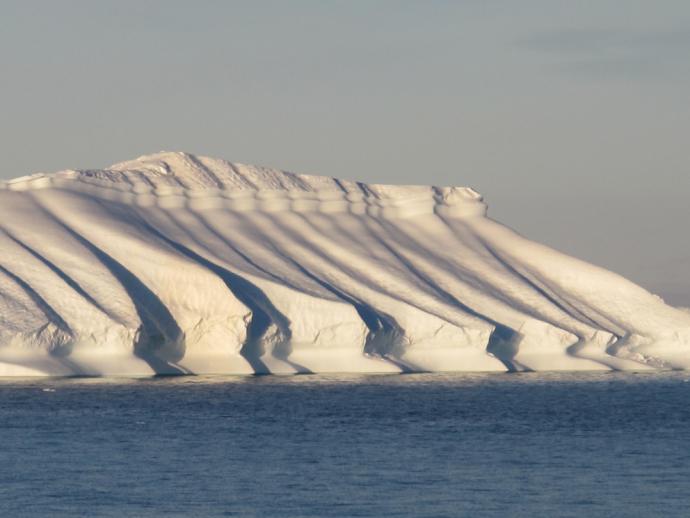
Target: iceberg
(174,263)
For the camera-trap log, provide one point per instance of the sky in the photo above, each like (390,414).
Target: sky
(571,118)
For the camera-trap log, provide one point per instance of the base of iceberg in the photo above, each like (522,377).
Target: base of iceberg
(178,264)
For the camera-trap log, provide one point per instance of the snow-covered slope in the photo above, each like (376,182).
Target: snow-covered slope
(174,263)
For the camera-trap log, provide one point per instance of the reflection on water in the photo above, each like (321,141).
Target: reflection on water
(393,379)
(347,445)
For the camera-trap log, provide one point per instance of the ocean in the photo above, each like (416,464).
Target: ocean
(410,445)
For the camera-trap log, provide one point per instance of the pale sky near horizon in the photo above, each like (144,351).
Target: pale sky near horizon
(571,118)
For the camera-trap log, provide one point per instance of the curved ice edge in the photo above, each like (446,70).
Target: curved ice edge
(415,200)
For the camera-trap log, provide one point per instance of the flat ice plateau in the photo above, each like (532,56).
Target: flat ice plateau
(175,263)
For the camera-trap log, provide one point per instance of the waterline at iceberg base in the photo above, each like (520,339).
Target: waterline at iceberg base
(175,263)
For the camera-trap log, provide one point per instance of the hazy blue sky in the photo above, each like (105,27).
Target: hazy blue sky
(571,117)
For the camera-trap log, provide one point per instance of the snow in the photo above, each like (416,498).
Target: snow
(175,263)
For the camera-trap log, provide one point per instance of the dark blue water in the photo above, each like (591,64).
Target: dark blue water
(429,445)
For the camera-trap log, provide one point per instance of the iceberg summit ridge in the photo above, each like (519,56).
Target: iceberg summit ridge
(174,179)
(177,263)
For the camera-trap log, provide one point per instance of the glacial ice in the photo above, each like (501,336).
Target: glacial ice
(175,263)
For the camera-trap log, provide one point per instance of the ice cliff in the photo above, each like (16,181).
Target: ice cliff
(175,263)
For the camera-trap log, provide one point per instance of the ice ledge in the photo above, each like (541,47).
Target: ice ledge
(181,180)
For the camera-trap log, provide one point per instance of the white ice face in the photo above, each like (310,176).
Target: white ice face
(180,263)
